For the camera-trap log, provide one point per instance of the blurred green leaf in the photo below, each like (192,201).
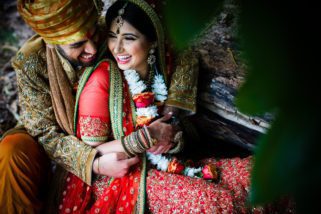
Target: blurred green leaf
(279,79)
(185,19)
(287,160)
(264,49)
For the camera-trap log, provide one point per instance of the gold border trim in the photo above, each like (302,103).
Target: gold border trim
(116,101)
(95,139)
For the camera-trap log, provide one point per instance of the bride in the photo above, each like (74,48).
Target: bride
(117,109)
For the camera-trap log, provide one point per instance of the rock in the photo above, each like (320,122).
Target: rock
(14,32)
(8,102)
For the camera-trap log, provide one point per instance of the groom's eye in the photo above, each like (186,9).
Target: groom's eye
(77,45)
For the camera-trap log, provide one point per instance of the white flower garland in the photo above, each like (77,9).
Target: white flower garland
(150,111)
(159,88)
(161,163)
(137,86)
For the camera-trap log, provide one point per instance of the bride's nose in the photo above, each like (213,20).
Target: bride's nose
(118,47)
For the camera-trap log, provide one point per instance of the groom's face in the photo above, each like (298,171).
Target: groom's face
(82,52)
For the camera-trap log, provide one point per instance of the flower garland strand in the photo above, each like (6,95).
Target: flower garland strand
(173,165)
(146,111)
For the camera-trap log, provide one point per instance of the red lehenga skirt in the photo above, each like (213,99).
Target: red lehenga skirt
(165,193)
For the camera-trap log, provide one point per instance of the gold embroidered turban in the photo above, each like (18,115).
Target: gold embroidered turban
(59,21)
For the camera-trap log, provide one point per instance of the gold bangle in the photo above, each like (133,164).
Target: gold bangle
(152,141)
(122,140)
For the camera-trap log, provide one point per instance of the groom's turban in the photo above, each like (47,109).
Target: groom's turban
(59,21)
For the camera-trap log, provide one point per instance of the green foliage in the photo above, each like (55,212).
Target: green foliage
(286,158)
(185,19)
(280,44)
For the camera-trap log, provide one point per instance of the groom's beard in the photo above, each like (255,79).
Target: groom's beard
(76,63)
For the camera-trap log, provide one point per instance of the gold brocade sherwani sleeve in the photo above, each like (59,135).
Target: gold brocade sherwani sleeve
(37,114)
(183,87)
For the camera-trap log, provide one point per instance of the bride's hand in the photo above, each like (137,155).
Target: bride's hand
(110,147)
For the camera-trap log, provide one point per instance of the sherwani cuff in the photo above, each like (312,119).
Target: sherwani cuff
(182,105)
(89,166)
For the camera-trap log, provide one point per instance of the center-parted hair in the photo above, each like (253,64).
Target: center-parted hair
(134,16)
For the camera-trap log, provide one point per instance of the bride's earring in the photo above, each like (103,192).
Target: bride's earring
(151,57)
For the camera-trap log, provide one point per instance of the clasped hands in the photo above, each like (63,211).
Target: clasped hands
(116,164)
(164,133)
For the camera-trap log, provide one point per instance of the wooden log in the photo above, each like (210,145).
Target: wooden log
(222,72)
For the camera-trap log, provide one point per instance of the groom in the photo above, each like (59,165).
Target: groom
(48,67)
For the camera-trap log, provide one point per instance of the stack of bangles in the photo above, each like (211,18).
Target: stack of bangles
(137,142)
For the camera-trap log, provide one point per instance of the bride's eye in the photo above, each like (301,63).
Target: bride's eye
(130,38)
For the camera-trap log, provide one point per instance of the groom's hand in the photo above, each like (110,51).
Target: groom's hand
(164,134)
(113,164)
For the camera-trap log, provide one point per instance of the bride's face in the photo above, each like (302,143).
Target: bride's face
(129,47)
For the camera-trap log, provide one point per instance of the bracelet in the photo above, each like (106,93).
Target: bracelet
(126,148)
(152,141)
(137,142)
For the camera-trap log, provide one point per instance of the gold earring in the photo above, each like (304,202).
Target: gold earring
(151,58)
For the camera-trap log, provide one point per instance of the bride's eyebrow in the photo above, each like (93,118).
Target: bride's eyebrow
(111,32)
(124,34)
(131,34)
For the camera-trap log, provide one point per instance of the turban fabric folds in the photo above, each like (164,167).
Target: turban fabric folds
(59,21)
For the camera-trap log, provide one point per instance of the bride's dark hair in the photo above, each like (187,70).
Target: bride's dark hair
(134,16)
